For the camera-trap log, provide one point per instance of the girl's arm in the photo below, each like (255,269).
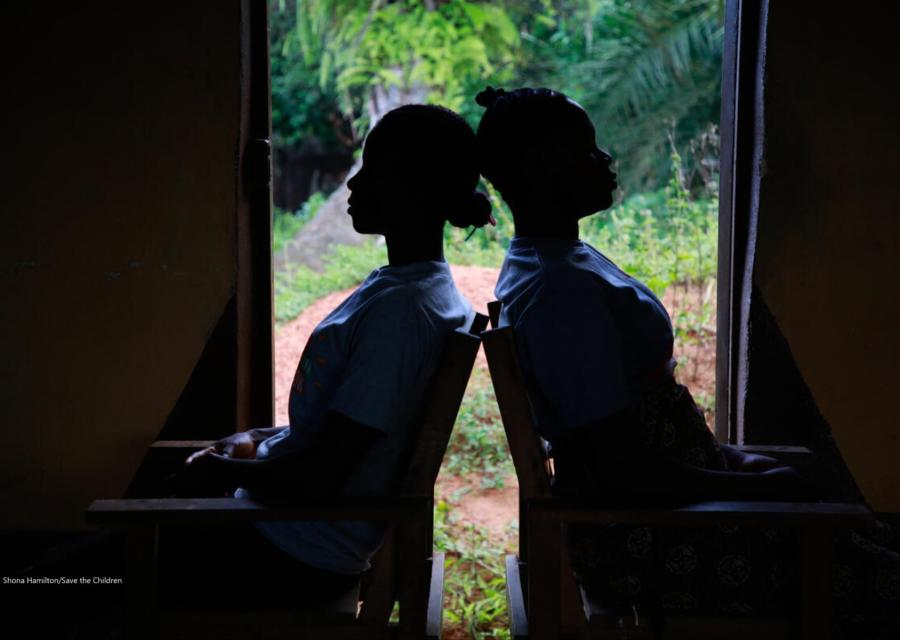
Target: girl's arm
(242,444)
(322,469)
(264,433)
(627,471)
(682,481)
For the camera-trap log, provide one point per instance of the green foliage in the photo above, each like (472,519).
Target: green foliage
(303,108)
(285,224)
(402,44)
(474,583)
(406,44)
(478,444)
(640,68)
(345,267)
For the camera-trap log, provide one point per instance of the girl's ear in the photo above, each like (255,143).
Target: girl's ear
(558,157)
(544,159)
(406,210)
(530,162)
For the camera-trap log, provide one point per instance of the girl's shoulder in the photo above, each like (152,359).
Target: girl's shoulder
(426,308)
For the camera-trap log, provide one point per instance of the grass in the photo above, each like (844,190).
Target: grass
(478,444)
(474,583)
(474,588)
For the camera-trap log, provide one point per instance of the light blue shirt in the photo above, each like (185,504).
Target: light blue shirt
(370,359)
(587,333)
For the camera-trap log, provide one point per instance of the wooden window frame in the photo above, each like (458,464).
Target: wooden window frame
(741,146)
(255,397)
(741,130)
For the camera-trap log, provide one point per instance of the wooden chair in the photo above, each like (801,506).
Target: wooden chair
(544,599)
(405,570)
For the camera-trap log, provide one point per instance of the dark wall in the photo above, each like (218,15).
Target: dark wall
(120,141)
(828,246)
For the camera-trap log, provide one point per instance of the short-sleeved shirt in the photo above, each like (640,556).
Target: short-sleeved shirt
(371,360)
(587,333)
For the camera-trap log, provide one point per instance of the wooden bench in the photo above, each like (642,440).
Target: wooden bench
(544,598)
(405,570)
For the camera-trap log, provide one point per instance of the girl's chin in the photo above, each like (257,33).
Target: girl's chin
(606,202)
(601,204)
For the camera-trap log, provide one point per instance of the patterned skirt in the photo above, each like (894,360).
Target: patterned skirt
(734,571)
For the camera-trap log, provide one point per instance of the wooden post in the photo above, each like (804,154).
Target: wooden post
(141,615)
(543,580)
(523,542)
(572,611)
(816,549)
(416,578)
(378,599)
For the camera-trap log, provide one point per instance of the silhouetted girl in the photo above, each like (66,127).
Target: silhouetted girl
(596,348)
(360,381)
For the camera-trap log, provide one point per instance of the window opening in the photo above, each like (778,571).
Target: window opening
(653,91)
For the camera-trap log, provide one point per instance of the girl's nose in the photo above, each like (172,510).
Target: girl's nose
(354,180)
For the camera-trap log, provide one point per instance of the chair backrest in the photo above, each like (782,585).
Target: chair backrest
(443,399)
(515,411)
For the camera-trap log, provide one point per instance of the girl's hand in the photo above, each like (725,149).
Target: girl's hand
(197,455)
(793,486)
(237,445)
(756,463)
(748,462)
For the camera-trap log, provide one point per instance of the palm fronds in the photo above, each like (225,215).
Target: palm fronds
(650,68)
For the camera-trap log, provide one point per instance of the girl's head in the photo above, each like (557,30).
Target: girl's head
(419,169)
(538,148)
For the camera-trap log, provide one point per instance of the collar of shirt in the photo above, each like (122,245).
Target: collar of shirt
(548,246)
(414,269)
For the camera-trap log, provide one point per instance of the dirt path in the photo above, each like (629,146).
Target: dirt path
(492,510)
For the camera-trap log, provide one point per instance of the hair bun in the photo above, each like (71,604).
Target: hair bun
(474,212)
(480,207)
(488,97)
